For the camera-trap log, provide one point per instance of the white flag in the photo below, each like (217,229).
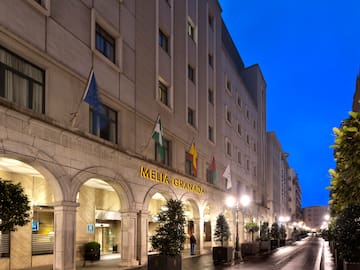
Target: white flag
(227,175)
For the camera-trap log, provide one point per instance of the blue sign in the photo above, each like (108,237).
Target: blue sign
(35,226)
(90,228)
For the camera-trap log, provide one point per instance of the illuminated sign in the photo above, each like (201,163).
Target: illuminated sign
(161,177)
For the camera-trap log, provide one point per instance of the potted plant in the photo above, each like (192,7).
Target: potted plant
(265,244)
(252,227)
(222,254)
(347,237)
(282,235)
(253,247)
(169,238)
(91,251)
(274,233)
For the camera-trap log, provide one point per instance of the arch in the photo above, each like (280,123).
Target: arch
(186,197)
(116,180)
(48,167)
(160,188)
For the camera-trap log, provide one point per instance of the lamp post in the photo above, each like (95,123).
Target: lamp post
(238,205)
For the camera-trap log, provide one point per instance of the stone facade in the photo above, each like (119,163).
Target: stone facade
(212,100)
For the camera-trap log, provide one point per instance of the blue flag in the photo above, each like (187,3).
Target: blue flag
(91,95)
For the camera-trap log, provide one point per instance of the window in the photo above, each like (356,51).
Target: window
(211,96)
(210,175)
(239,102)
(191,73)
(4,244)
(104,126)
(247,164)
(239,129)
(210,60)
(247,114)
(21,82)
(254,124)
(239,157)
(166,160)
(255,169)
(191,30)
(42,226)
(164,41)
(211,21)
(254,147)
(163,93)
(105,43)
(228,148)
(211,133)
(42,6)
(191,117)
(228,84)
(189,165)
(228,114)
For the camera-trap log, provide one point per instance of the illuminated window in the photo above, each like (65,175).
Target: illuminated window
(21,82)
(105,43)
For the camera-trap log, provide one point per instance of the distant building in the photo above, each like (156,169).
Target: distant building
(314,216)
(284,193)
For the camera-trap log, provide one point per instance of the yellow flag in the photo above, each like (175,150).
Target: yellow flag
(193,153)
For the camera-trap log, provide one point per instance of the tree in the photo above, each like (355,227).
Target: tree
(282,232)
(170,236)
(252,228)
(264,231)
(347,233)
(14,206)
(345,178)
(275,231)
(222,230)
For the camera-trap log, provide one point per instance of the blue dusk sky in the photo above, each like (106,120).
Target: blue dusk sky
(309,54)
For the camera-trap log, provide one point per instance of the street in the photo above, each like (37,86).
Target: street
(303,254)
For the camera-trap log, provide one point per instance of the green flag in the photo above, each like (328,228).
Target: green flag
(159,138)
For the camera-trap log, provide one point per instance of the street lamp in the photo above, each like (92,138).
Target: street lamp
(238,205)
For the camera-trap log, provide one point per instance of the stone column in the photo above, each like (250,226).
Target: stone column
(200,241)
(198,234)
(142,237)
(65,235)
(128,239)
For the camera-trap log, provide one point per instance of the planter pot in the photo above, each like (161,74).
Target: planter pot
(222,255)
(351,265)
(282,242)
(91,251)
(250,248)
(265,246)
(164,262)
(274,244)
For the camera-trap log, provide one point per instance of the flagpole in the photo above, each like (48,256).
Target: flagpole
(75,114)
(147,144)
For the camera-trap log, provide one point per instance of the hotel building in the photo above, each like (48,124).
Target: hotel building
(106,182)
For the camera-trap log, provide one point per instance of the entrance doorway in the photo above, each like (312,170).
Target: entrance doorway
(105,235)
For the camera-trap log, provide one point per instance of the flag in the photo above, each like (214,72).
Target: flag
(193,154)
(158,136)
(212,171)
(227,175)
(91,95)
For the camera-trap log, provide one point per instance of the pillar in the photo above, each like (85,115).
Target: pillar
(128,239)
(65,235)
(142,236)
(198,234)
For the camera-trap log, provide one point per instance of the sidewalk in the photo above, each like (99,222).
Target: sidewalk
(327,261)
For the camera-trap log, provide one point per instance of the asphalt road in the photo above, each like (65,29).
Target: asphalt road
(301,255)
